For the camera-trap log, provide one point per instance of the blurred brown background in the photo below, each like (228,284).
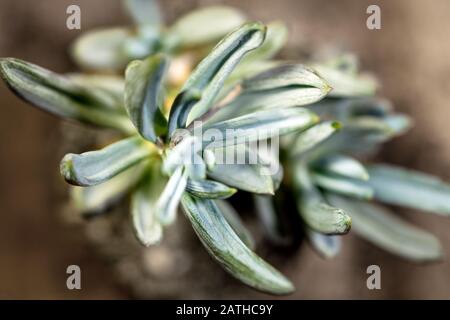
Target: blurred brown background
(410,54)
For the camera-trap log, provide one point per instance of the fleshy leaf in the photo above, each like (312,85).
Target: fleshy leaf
(61,96)
(236,223)
(342,166)
(102,49)
(95,199)
(344,186)
(328,246)
(203,85)
(167,204)
(409,188)
(311,137)
(275,40)
(144,206)
(94,167)
(345,84)
(260,126)
(314,210)
(268,216)
(209,189)
(382,228)
(251,174)
(144,12)
(229,251)
(206,25)
(143,94)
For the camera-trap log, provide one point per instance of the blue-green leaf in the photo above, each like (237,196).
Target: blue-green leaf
(382,228)
(209,189)
(144,12)
(314,210)
(206,25)
(62,96)
(342,166)
(260,126)
(344,186)
(167,204)
(95,199)
(94,167)
(200,90)
(311,137)
(143,94)
(229,251)
(267,214)
(236,223)
(328,246)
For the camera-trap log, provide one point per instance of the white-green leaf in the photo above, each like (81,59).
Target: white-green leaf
(250,175)
(144,12)
(409,188)
(94,167)
(206,25)
(236,223)
(61,96)
(95,199)
(275,40)
(342,166)
(313,136)
(203,85)
(345,84)
(270,221)
(167,204)
(260,126)
(102,49)
(382,228)
(328,246)
(229,251)
(144,94)
(144,206)
(315,212)
(209,189)
(344,186)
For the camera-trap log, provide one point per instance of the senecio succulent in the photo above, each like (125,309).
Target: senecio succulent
(324,118)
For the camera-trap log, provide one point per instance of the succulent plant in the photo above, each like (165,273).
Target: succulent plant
(324,115)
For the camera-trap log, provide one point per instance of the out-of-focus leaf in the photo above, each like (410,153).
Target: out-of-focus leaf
(268,216)
(276,38)
(94,167)
(102,49)
(61,96)
(144,12)
(143,94)
(345,84)
(229,251)
(95,199)
(409,188)
(288,75)
(144,206)
(206,25)
(328,246)
(260,126)
(379,226)
(200,90)
(344,186)
(342,166)
(249,174)
(306,140)
(209,189)
(316,213)
(284,86)
(236,223)
(167,204)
